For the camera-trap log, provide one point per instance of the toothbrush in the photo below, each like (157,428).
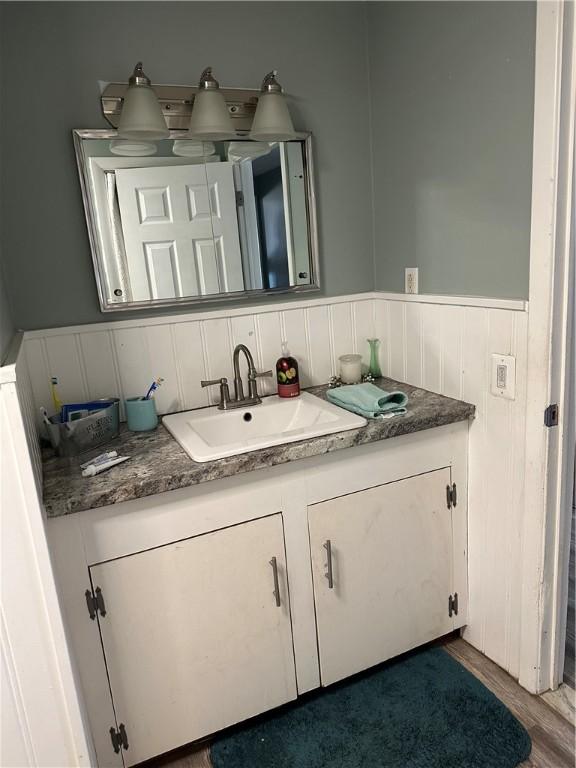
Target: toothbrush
(153,387)
(55,399)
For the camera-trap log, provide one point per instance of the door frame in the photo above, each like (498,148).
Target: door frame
(549,450)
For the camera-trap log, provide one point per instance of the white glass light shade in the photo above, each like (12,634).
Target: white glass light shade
(247,150)
(210,118)
(272,121)
(193,148)
(142,116)
(132,147)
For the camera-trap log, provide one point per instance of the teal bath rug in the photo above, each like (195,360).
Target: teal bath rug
(423,710)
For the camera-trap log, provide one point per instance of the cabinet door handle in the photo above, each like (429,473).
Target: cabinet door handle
(329,574)
(276,592)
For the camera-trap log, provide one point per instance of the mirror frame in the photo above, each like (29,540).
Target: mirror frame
(249,295)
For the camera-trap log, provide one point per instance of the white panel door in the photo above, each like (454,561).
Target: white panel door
(193,636)
(225,224)
(391,560)
(168,223)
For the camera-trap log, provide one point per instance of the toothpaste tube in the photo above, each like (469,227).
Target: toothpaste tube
(95,469)
(103,458)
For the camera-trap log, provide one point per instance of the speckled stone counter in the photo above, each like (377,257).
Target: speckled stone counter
(158,463)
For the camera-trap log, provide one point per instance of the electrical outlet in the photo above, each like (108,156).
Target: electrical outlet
(503,379)
(411,280)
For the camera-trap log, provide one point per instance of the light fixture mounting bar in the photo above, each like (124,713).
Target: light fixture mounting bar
(176,104)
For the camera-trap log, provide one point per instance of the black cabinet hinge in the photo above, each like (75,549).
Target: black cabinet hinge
(451,496)
(95,602)
(453,604)
(119,738)
(551,415)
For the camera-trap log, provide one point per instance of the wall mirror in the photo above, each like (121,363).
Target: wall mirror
(180,221)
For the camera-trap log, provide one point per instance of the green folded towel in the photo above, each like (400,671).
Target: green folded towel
(368,400)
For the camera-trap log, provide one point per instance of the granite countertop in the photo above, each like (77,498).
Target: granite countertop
(158,463)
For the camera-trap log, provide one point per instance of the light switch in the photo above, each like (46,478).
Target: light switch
(503,379)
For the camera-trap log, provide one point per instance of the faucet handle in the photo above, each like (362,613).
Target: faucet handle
(213,382)
(252,387)
(224,391)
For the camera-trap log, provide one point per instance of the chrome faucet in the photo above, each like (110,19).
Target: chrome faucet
(240,400)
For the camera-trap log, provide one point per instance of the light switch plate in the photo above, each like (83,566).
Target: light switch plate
(503,378)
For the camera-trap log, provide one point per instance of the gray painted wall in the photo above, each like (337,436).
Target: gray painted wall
(450,94)
(6,324)
(452,112)
(54,54)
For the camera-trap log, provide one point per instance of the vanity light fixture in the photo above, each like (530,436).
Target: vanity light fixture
(210,118)
(272,121)
(141,116)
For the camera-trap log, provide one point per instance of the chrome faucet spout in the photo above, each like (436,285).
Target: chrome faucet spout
(238,387)
(240,400)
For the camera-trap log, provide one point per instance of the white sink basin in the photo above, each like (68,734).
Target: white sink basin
(209,433)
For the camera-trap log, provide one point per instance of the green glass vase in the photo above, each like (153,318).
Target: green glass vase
(374,368)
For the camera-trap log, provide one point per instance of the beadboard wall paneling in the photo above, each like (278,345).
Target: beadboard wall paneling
(448,348)
(121,359)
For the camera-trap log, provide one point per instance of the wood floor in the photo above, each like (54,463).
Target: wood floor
(552,735)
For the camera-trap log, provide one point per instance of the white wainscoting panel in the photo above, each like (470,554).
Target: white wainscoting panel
(447,348)
(121,359)
(42,717)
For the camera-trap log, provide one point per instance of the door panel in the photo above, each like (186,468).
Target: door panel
(392,572)
(225,225)
(192,635)
(176,212)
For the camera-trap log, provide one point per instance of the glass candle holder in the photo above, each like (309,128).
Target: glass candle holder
(350,368)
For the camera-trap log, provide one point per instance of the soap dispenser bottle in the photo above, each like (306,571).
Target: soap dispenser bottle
(287,374)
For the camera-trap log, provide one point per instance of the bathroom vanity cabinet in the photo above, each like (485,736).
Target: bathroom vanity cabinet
(214,603)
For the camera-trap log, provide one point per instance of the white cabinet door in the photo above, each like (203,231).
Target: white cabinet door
(180,230)
(193,636)
(391,560)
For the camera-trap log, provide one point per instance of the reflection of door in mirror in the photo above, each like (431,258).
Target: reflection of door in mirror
(295,212)
(180,230)
(272,214)
(269,194)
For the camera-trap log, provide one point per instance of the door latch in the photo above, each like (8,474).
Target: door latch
(551,415)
